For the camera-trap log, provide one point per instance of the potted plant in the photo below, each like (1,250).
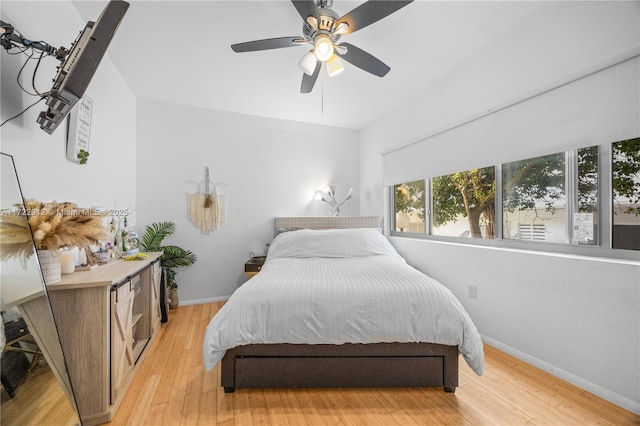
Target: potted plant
(172,257)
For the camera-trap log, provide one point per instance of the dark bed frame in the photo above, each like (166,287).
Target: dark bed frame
(347,365)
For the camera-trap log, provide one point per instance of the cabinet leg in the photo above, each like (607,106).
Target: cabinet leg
(229,389)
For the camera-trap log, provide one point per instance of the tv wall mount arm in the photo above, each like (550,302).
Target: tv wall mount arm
(10,38)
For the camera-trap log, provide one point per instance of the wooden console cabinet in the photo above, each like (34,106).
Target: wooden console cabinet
(106,319)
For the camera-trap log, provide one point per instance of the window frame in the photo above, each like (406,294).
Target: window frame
(612,200)
(427,208)
(603,216)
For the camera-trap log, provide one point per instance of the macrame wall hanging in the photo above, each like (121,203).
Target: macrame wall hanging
(206,206)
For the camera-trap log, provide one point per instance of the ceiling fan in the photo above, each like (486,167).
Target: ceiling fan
(322,29)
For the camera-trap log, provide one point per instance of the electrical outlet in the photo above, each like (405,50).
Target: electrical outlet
(473,291)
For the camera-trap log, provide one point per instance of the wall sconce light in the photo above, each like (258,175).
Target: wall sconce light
(328,195)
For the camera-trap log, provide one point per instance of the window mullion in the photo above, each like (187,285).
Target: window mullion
(605,195)
(571,192)
(498,207)
(428,206)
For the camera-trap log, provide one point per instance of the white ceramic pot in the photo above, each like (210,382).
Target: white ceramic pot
(50,266)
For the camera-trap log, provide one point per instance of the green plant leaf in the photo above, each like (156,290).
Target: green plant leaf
(175,256)
(155,233)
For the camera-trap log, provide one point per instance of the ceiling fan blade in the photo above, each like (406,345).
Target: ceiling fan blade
(364,60)
(306,8)
(308,81)
(266,44)
(370,12)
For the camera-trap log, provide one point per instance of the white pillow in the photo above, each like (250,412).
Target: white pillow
(353,242)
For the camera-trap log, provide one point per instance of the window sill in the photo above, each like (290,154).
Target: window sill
(629,257)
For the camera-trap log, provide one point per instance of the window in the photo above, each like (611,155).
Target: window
(464,204)
(553,198)
(626,194)
(409,207)
(533,199)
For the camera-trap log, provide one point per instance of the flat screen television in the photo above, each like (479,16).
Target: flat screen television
(78,68)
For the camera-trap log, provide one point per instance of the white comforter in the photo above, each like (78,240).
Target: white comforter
(340,286)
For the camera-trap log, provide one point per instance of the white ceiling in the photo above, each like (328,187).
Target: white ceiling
(179,51)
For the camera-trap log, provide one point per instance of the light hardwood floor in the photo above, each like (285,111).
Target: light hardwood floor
(39,401)
(172,388)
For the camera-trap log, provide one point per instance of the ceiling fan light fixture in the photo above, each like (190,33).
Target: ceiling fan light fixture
(323,47)
(341,28)
(311,20)
(341,50)
(323,28)
(308,63)
(334,66)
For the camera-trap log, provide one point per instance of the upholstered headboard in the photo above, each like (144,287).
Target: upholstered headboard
(327,222)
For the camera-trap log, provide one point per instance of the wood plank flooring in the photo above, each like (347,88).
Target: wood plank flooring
(39,401)
(172,388)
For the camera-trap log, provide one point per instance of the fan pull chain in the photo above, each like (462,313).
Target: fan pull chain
(322,90)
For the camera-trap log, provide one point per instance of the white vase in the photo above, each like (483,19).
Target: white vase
(50,265)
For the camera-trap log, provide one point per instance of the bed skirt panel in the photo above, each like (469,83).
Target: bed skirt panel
(348,365)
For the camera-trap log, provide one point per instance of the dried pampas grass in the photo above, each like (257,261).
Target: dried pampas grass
(15,237)
(54,225)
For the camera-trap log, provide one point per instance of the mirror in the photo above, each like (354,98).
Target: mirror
(35,382)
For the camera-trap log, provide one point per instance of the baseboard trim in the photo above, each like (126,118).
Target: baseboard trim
(586,385)
(203,301)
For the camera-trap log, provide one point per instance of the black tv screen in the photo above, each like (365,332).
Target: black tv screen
(80,65)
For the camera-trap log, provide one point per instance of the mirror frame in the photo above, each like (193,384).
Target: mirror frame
(33,305)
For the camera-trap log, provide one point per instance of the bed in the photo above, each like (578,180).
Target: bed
(336,306)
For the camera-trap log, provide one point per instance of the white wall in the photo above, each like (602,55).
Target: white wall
(272,168)
(576,317)
(108,178)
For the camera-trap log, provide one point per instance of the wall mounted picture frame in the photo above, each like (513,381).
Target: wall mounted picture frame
(79,131)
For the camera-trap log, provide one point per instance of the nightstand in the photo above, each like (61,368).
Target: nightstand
(254,265)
